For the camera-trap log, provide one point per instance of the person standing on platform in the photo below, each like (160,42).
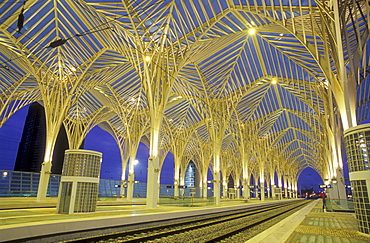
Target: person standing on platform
(323,196)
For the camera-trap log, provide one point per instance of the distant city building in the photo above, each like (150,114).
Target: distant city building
(190,175)
(231,183)
(31,148)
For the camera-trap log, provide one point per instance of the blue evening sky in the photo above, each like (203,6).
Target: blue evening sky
(100,140)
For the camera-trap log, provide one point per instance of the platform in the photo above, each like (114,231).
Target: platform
(313,225)
(23,217)
(323,227)
(310,224)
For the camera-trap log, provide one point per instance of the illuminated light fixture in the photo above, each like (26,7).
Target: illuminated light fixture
(135,162)
(178,97)
(147,58)
(252,31)
(274,81)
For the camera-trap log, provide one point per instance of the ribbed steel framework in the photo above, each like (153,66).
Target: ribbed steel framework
(244,87)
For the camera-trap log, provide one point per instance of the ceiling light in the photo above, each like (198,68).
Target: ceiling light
(252,31)
(176,98)
(274,81)
(147,58)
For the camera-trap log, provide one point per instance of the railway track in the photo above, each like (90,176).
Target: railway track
(234,226)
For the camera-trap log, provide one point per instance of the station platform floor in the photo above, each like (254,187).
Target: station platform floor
(23,217)
(312,225)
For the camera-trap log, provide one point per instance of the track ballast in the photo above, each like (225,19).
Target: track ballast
(234,226)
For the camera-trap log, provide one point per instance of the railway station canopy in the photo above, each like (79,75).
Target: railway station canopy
(244,87)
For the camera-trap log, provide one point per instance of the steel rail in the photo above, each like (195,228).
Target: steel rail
(170,229)
(247,226)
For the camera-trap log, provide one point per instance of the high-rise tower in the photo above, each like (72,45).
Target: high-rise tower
(31,149)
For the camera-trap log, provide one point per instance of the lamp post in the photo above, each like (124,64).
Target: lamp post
(131,179)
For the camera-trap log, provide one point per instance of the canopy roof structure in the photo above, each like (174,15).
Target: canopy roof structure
(265,81)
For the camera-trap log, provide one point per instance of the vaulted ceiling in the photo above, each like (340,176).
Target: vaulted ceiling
(269,91)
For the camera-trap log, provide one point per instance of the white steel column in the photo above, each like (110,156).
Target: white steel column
(245,189)
(123,175)
(45,172)
(262,183)
(280,185)
(268,188)
(182,183)
(131,178)
(216,170)
(285,182)
(176,181)
(44,181)
(152,190)
(272,184)
(216,185)
(224,186)
(256,188)
(246,178)
(237,189)
(205,189)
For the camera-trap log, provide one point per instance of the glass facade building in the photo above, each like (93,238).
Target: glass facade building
(357,140)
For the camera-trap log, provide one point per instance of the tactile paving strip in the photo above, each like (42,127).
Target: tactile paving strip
(327,228)
(328,231)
